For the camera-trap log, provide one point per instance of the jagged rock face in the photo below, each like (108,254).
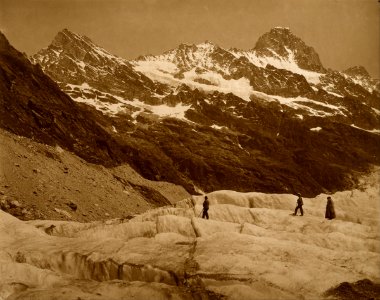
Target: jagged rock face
(203,56)
(200,61)
(73,60)
(360,88)
(357,71)
(359,75)
(281,42)
(271,80)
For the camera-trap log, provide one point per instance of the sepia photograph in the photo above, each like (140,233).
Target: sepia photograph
(189,149)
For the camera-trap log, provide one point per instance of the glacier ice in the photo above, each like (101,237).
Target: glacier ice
(251,248)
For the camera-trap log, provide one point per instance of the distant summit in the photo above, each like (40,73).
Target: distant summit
(280,42)
(361,77)
(357,71)
(73,60)
(74,51)
(70,41)
(3,41)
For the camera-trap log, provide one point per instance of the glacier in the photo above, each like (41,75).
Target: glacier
(251,248)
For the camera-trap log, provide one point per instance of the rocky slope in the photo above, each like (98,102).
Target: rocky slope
(51,183)
(276,119)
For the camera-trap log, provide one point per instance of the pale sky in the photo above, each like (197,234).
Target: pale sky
(345,33)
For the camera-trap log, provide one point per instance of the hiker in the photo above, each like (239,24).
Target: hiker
(330,211)
(205,208)
(49,230)
(299,204)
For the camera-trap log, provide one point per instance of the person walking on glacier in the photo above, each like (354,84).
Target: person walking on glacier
(299,205)
(330,211)
(206,205)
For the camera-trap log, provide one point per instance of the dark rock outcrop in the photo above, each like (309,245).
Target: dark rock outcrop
(360,290)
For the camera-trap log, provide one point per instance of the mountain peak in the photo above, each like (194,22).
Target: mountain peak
(280,34)
(79,48)
(4,44)
(281,29)
(64,33)
(206,45)
(194,47)
(357,71)
(68,38)
(282,44)
(207,42)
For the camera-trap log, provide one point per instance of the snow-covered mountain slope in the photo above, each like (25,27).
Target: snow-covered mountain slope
(280,64)
(282,49)
(209,67)
(360,76)
(88,73)
(251,248)
(287,62)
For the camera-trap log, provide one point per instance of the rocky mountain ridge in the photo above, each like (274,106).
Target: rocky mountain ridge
(85,62)
(210,68)
(205,115)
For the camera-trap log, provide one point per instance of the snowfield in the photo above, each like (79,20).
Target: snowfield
(251,248)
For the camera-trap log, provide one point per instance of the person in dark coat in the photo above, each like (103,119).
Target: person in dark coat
(206,205)
(299,205)
(330,211)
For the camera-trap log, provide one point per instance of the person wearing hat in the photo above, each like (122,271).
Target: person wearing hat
(330,211)
(299,205)
(206,205)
